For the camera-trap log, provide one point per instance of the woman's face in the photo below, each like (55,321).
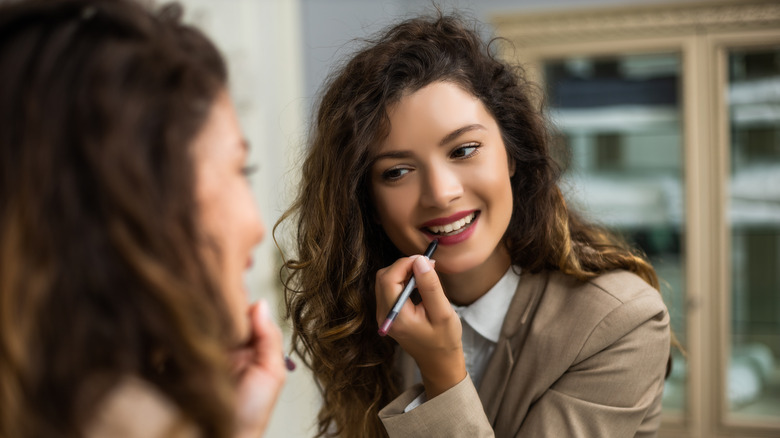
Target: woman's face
(443,173)
(228,213)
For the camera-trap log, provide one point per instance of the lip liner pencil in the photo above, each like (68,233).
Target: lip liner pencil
(399,303)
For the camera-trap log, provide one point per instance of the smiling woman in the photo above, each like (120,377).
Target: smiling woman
(531,322)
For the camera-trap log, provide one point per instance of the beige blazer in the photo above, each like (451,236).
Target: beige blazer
(573,360)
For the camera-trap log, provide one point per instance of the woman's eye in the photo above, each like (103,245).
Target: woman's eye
(394,174)
(247,171)
(465,151)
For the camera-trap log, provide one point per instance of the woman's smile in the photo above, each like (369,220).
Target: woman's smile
(453,229)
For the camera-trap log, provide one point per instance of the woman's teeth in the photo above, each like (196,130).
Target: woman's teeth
(453,228)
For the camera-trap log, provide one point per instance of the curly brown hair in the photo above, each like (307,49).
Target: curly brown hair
(101,267)
(340,246)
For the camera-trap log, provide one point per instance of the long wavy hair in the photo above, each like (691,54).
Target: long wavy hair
(102,272)
(339,246)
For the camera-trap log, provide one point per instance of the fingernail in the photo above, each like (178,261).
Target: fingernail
(289,363)
(264,312)
(422,264)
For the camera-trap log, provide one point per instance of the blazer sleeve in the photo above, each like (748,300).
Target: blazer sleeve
(613,387)
(454,413)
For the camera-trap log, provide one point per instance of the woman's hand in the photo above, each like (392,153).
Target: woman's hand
(261,373)
(430,331)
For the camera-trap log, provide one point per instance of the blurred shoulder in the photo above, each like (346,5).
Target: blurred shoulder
(135,408)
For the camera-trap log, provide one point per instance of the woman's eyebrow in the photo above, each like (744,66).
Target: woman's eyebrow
(458,132)
(447,139)
(391,154)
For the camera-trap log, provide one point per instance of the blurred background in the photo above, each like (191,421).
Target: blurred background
(668,119)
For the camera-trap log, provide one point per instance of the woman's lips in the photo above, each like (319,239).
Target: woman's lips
(453,227)
(449,219)
(457,236)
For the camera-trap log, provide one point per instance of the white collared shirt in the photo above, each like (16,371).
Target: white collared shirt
(482,321)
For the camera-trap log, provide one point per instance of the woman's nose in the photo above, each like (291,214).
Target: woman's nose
(256,225)
(260,228)
(441,186)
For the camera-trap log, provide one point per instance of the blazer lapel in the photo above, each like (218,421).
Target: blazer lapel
(513,332)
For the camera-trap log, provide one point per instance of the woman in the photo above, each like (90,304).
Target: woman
(127,223)
(424,135)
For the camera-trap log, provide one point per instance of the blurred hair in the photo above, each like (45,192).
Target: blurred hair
(339,245)
(101,269)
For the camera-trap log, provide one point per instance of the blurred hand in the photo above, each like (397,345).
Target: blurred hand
(430,331)
(260,367)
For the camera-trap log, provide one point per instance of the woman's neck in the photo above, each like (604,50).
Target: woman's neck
(464,288)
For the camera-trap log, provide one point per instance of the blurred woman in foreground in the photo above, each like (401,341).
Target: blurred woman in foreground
(126,224)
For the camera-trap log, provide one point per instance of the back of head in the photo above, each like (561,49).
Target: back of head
(100,275)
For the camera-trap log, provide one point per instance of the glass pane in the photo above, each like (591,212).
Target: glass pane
(754,215)
(619,124)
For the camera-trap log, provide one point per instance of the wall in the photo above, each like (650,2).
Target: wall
(330,27)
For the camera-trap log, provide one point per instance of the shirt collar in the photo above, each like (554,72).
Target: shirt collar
(486,315)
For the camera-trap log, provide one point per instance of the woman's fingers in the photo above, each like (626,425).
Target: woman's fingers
(430,332)
(390,281)
(261,379)
(268,348)
(437,306)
